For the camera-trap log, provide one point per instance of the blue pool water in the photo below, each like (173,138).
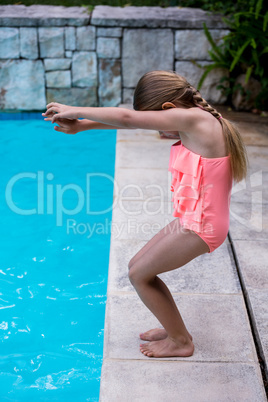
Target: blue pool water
(55,239)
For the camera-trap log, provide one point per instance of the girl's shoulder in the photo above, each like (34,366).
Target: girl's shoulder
(206,136)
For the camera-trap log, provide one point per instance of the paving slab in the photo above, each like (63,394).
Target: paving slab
(252,257)
(151,185)
(132,206)
(218,324)
(247,122)
(133,154)
(210,273)
(134,219)
(249,221)
(258,157)
(254,189)
(138,134)
(249,230)
(147,381)
(253,134)
(258,304)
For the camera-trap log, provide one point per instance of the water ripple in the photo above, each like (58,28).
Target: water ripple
(12,305)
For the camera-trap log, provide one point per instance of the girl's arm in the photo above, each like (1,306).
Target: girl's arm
(74,126)
(172,119)
(94,125)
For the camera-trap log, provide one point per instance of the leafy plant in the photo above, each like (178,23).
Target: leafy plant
(243,51)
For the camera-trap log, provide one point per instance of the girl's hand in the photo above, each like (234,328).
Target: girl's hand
(67,126)
(74,126)
(57,111)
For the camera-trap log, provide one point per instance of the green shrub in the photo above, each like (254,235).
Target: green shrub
(243,51)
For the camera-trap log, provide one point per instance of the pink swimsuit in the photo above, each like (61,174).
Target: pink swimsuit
(202,191)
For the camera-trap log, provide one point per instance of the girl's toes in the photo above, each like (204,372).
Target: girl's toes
(142,349)
(143,337)
(148,353)
(144,346)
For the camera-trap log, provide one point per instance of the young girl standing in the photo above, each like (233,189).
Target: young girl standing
(204,163)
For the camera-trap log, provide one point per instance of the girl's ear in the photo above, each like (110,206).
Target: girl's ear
(168,105)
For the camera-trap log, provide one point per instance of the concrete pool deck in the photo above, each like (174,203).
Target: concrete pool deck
(223,297)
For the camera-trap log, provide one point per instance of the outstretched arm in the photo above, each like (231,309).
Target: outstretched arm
(74,126)
(93,125)
(161,120)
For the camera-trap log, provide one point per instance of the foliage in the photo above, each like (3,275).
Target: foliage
(243,51)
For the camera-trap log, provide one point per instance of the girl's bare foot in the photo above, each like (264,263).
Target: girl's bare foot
(167,348)
(156,334)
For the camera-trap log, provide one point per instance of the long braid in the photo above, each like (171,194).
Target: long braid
(234,143)
(201,102)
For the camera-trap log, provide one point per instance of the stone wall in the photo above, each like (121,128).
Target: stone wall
(72,56)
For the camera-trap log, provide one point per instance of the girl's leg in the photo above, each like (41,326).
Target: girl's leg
(176,248)
(156,333)
(148,245)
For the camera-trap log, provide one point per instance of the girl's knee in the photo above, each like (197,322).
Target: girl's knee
(137,275)
(134,274)
(131,273)
(131,263)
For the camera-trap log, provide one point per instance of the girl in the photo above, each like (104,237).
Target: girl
(204,163)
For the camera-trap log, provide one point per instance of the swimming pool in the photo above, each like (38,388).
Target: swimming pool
(56,208)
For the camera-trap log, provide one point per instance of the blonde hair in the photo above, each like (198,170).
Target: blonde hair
(157,87)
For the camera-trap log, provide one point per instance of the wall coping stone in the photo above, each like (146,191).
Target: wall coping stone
(155,17)
(43,16)
(135,17)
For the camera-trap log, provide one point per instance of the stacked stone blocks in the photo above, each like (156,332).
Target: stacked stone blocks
(100,61)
